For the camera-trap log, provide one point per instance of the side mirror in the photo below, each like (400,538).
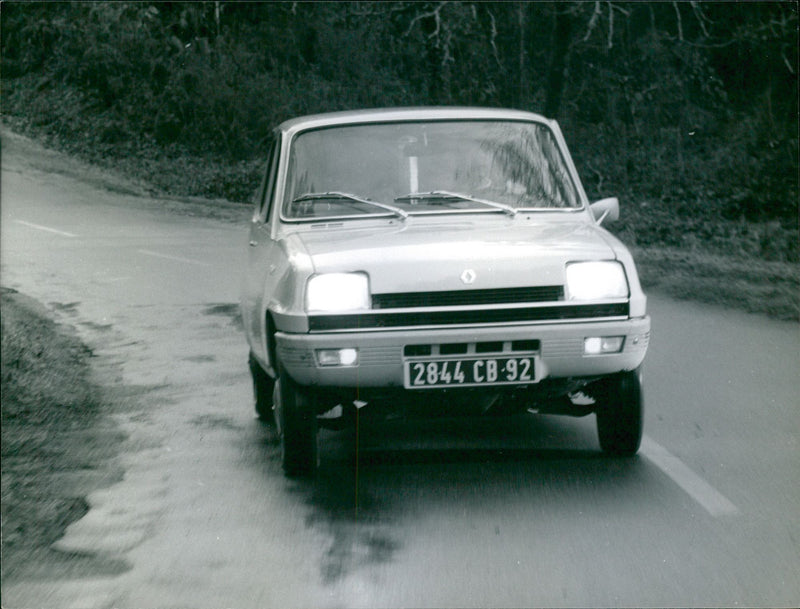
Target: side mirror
(605,209)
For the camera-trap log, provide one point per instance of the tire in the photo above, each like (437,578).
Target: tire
(263,387)
(620,413)
(296,417)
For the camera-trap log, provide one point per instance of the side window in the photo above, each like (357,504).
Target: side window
(268,190)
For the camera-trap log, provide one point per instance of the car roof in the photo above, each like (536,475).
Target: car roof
(378,115)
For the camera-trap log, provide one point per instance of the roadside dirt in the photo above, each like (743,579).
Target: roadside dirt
(86,379)
(59,442)
(22,152)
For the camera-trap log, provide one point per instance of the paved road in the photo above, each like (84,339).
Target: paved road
(521,512)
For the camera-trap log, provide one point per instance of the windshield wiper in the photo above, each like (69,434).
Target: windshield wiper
(343,196)
(455,196)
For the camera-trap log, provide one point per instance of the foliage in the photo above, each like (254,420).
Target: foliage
(688,106)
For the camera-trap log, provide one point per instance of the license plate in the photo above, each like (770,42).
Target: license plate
(470,372)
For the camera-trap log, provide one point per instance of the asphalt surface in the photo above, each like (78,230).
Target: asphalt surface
(503,512)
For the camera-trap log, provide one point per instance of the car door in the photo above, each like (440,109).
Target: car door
(260,250)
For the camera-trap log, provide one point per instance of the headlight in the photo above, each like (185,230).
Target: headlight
(337,292)
(596,280)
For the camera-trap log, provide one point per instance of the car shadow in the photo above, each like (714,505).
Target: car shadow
(376,480)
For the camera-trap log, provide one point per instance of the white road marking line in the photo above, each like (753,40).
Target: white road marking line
(714,502)
(45,228)
(175,258)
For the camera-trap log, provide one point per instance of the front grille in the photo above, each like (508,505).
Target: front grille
(456,298)
(368,321)
(446,349)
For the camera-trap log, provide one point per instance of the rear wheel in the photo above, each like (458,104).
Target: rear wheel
(620,413)
(263,386)
(296,416)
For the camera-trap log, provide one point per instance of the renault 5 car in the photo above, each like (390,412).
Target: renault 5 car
(423,260)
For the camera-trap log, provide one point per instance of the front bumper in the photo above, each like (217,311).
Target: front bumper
(382,353)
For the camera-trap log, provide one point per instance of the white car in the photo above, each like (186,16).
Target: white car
(436,258)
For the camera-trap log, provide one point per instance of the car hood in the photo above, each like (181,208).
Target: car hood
(435,256)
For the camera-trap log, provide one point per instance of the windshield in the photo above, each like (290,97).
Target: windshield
(415,168)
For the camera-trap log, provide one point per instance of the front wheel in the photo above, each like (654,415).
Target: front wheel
(263,386)
(296,417)
(620,413)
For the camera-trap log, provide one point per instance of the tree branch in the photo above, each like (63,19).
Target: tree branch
(593,21)
(679,21)
(701,18)
(436,13)
(786,61)
(493,38)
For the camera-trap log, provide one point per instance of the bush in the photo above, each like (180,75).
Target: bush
(650,114)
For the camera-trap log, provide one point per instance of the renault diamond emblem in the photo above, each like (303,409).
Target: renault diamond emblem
(468,276)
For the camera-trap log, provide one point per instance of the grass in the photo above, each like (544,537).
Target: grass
(56,441)
(770,288)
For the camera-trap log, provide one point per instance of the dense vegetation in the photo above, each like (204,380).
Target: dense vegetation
(686,110)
